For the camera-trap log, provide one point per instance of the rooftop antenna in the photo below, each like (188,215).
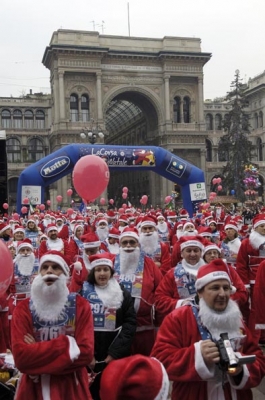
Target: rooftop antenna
(128,9)
(101,26)
(93,22)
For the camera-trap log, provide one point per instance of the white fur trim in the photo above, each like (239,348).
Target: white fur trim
(260,326)
(163,393)
(130,234)
(22,245)
(45,386)
(191,243)
(102,261)
(90,245)
(77,266)
(57,259)
(74,350)
(211,247)
(262,221)
(213,276)
(227,226)
(203,371)
(148,223)
(52,228)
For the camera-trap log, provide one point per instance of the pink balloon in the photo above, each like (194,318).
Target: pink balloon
(59,198)
(5,206)
(125,189)
(167,199)
(214,181)
(219,187)
(144,199)
(218,180)
(111,201)
(90,176)
(69,192)
(102,201)
(121,210)
(41,215)
(48,202)
(26,201)
(16,216)
(24,210)
(124,195)
(6,268)
(69,211)
(42,207)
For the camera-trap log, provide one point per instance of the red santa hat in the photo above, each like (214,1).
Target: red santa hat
(90,240)
(171,214)
(207,215)
(149,220)
(102,259)
(210,246)
(4,227)
(213,271)
(24,243)
(59,218)
(183,214)
(114,233)
(186,241)
(259,219)
(56,257)
(123,218)
(204,231)
(187,223)
(232,224)
(134,377)
(160,216)
(18,228)
(111,214)
(78,226)
(51,227)
(132,232)
(101,221)
(31,220)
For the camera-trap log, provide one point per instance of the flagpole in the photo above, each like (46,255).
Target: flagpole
(128,9)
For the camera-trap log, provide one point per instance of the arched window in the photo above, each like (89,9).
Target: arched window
(176,110)
(6,119)
(74,108)
(186,109)
(209,122)
(218,122)
(40,119)
(13,150)
(28,118)
(35,149)
(256,121)
(17,119)
(260,119)
(12,191)
(259,147)
(208,150)
(85,107)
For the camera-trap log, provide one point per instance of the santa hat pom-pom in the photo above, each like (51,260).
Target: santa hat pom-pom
(77,266)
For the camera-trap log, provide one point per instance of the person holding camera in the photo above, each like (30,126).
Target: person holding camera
(205,348)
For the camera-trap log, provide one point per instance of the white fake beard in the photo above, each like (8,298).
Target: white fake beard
(256,239)
(121,228)
(86,261)
(46,222)
(114,248)
(129,261)
(111,294)
(229,320)
(149,243)
(179,233)
(49,301)
(192,269)
(25,263)
(56,244)
(162,226)
(102,233)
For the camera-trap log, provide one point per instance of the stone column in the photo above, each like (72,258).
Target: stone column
(203,159)
(181,111)
(56,96)
(167,99)
(99,97)
(61,95)
(200,99)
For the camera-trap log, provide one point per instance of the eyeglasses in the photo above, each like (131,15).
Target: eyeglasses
(130,242)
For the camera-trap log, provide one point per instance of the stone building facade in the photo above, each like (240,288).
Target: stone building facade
(137,91)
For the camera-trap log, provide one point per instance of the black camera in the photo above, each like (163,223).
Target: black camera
(228,359)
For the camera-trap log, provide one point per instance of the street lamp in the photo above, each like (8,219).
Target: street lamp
(92,133)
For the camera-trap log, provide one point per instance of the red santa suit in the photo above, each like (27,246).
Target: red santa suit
(178,347)
(59,245)
(54,369)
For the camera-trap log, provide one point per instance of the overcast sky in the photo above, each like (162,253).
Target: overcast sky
(232,30)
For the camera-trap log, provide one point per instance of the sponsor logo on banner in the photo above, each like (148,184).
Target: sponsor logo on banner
(55,166)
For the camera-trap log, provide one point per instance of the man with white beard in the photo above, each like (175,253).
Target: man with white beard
(186,343)
(55,243)
(188,230)
(178,285)
(25,269)
(102,230)
(53,336)
(251,253)
(113,241)
(140,276)
(162,229)
(151,245)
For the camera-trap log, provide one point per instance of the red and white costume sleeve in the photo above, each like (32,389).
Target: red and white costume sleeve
(258,300)
(167,295)
(165,259)
(176,254)
(177,346)
(247,262)
(241,294)
(55,369)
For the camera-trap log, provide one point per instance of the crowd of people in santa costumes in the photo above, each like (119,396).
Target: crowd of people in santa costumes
(145,266)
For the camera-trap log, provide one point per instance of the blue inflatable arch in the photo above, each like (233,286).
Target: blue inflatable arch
(60,163)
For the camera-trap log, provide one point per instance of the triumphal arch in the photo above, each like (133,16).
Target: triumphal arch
(134,90)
